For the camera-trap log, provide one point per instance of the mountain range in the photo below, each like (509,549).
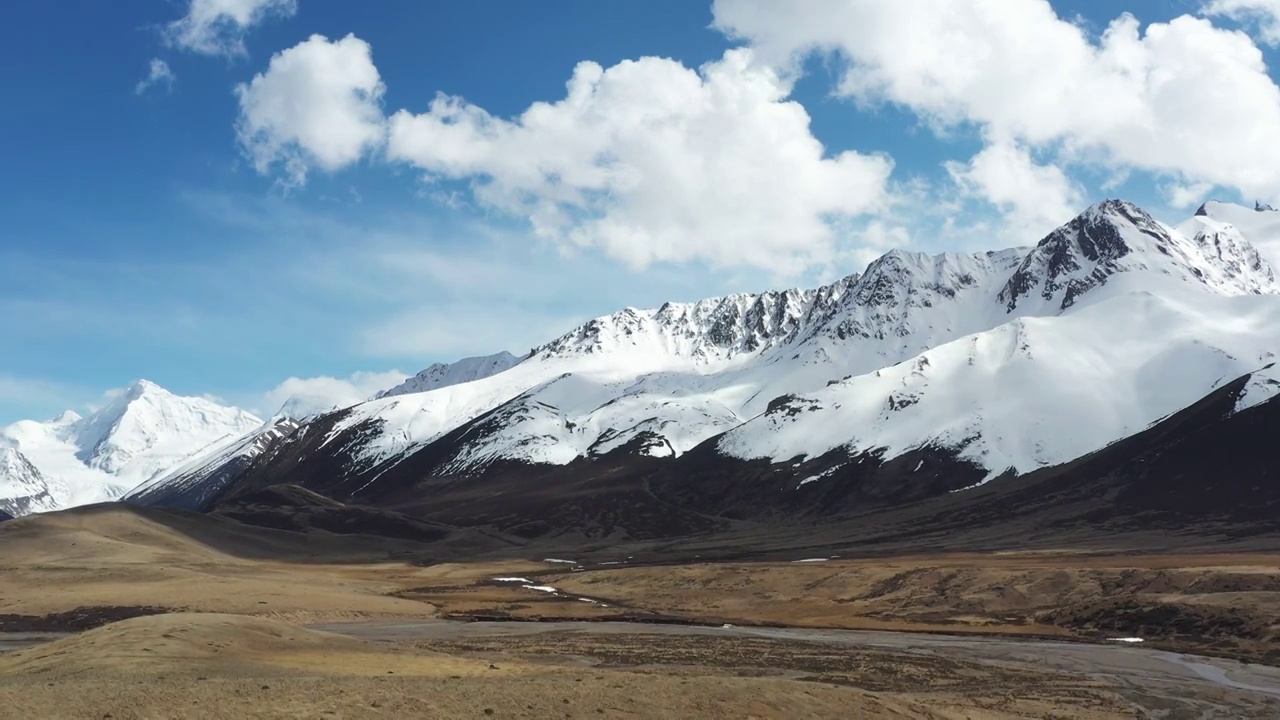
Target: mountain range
(924,376)
(141,433)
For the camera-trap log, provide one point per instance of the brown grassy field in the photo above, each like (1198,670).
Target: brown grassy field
(233,644)
(206,665)
(1217,604)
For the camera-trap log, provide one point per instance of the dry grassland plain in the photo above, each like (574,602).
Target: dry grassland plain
(229,616)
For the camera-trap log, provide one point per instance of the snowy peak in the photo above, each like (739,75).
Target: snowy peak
(898,276)
(1259,225)
(441,375)
(22,488)
(1231,254)
(146,417)
(96,429)
(66,417)
(703,332)
(898,294)
(1079,255)
(13,463)
(1115,236)
(736,324)
(144,431)
(905,292)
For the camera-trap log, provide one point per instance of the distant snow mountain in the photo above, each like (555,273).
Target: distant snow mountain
(304,408)
(997,362)
(23,489)
(140,434)
(1260,225)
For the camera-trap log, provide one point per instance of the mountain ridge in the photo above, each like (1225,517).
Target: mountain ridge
(912,364)
(439,375)
(943,371)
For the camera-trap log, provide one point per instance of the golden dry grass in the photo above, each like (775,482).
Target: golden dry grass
(217,665)
(235,649)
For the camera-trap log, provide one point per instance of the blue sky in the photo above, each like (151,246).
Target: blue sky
(169,216)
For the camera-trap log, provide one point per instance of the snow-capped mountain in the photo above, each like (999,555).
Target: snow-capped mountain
(23,489)
(441,375)
(1111,322)
(142,432)
(689,372)
(1259,224)
(705,333)
(1115,238)
(1003,361)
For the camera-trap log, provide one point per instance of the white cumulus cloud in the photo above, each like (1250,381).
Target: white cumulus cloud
(1184,196)
(317,104)
(302,397)
(1034,198)
(1185,100)
(218,27)
(652,161)
(158,73)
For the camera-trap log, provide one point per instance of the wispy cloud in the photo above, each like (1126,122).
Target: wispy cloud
(218,27)
(158,75)
(26,397)
(1261,15)
(306,396)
